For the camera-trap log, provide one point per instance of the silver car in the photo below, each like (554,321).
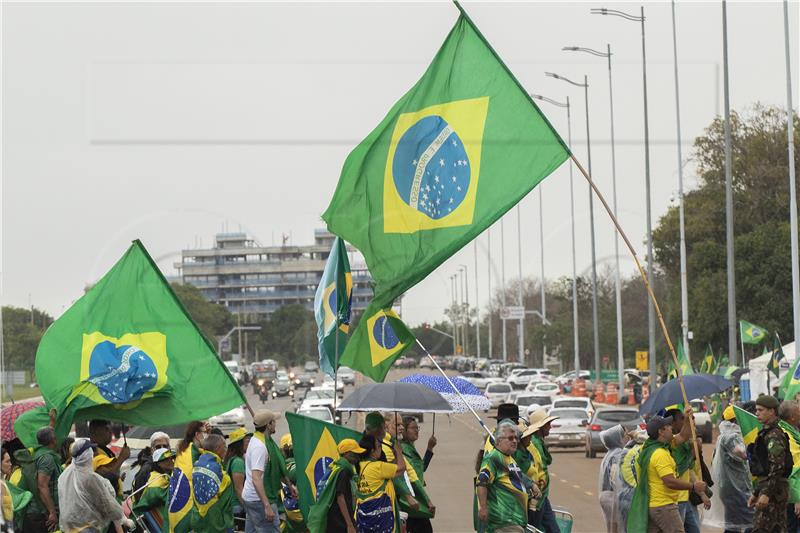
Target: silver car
(569,429)
(497,393)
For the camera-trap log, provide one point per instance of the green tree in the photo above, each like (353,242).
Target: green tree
(760,175)
(214,320)
(21,336)
(289,335)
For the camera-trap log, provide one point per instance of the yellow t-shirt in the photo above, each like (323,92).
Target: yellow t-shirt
(101,459)
(661,464)
(373,474)
(684,494)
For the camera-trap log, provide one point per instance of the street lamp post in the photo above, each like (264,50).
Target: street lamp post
(477,306)
(729,197)
(575,339)
(792,184)
(617,280)
(521,336)
(503,285)
(651,314)
(595,326)
(489,288)
(231,332)
(463,268)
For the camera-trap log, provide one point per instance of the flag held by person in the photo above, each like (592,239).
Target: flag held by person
(463,146)
(708,366)
(128,351)
(750,333)
(332,304)
(684,363)
(315,451)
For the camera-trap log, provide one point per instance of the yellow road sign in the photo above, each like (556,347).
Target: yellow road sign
(642,360)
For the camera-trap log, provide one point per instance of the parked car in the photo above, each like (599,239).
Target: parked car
(574,401)
(406,362)
(497,393)
(479,379)
(229,420)
(544,387)
(570,428)
(426,363)
(526,400)
(607,417)
(702,420)
(563,379)
(347,375)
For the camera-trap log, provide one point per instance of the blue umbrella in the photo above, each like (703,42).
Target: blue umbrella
(472,396)
(696,385)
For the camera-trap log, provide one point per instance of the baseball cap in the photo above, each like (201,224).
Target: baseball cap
(729,413)
(264,417)
(656,423)
(286,440)
(349,445)
(238,434)
(162,454)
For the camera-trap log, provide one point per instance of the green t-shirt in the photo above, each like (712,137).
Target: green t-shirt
(48,463)
(235,466)
(507,499)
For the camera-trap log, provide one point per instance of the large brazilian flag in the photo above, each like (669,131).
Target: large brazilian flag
(315,451)
(453,155)
(128,351)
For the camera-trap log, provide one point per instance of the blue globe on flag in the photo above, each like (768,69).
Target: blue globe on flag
(383,333)
(322,471)
(179,491)
(431,170)
(121,373)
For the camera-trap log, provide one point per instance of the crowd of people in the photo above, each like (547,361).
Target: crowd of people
(652,480)
(242,481)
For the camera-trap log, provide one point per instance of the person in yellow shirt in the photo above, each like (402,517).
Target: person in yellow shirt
(376,506)
(655,503)
(687,468)
(106,462)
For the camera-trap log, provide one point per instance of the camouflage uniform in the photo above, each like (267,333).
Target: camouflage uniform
(772,519)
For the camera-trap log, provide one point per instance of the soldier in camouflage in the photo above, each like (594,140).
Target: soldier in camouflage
(769,456)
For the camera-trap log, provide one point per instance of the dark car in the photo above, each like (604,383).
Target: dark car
(604,418)
(282,387)
(305,379)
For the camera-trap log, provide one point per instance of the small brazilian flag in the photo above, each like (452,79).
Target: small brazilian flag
(748,423)
(790,384)
(315,451)
(683,361)
(708,366)
(332,305)
(377,341)
(777,354)
(452,156)
(128,351)
(750,333)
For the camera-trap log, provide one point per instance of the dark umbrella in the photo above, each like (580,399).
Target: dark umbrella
(9,414)
(697,386)
(403,397)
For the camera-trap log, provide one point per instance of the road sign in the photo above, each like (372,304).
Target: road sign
(512,313)
(605,360)
(642,361)
(607,375)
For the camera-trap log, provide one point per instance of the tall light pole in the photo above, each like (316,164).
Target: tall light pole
(792,185)
(617,277)
(575,332)
(681,224)
(465,280)
(521,336)
(453,313)
(595,326)
(541,252)
(503,285)
(732,350)
(651,314)
(477,305)
(489,278)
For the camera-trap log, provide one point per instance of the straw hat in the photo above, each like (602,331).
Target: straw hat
(538,419)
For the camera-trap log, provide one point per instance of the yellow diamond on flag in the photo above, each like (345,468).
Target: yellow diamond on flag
(319,466)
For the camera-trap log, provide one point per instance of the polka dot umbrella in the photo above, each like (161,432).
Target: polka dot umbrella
(9,414)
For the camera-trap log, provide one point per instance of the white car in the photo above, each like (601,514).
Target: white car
(497,393)
(521,379)
(318,397)
(233,368)
(320,413)
(526,400)
(576,402)
(347,375)
(479,379)
(329,383)
(544,387)
(563,379)
(230,420)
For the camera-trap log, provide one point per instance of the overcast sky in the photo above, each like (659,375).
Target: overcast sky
(171,122)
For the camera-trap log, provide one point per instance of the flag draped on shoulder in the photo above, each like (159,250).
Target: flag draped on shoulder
(750,333)
(332,305)
(315,451)
(128,351)
(463,146)
(181,496)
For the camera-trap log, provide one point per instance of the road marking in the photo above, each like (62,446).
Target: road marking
(588,493)
(563,481)
(576,487)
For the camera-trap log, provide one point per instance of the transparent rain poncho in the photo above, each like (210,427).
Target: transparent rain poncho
(732,483)
(85,498)
(609,481)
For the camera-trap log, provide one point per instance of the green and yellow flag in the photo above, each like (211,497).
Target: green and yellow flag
(315,450)
(377,341)
(683,361)
(128,351)
(453,155)
(777,354)
(790,384)
(708,366)
(750,333)
(748,423)
(332,304)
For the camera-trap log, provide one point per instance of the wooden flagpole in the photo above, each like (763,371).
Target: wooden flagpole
(652,296)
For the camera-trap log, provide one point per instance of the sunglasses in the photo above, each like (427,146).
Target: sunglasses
(161,447)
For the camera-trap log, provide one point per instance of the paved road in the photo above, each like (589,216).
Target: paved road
(450,475)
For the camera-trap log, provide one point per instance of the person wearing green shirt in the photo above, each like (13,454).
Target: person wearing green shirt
(402,485)
(291,504)
(543,518)
(41,479)
(234,466)
(155,496)
(419,520)
(212,490)
(500,485)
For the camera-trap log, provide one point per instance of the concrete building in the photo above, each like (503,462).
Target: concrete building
(256,280)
